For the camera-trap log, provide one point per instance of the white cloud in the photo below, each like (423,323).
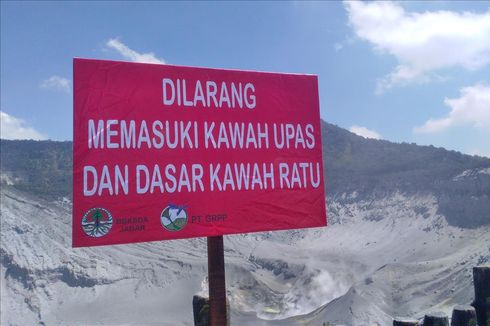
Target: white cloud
(14,128)
(340,45)
(57,83)
(422,42)
(472,109)
(364,132)
(132,55)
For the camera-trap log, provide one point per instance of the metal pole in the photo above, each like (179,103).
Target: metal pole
(217,287)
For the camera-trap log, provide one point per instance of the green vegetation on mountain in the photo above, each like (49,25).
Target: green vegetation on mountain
(40,167)
(372,168)
(354,163)
(375,168)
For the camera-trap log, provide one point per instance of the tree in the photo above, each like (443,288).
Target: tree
(97,217)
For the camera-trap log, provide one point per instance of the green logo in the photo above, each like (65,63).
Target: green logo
(97,222)
(173,217)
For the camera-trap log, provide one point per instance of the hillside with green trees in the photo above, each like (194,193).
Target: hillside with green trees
(371,168)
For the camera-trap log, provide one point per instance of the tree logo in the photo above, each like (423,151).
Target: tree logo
(97,222)
(173,217)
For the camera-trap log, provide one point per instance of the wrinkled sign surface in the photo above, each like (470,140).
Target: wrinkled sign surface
(166,152)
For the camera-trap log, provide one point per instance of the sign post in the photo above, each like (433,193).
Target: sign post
(217,284)
(165,152)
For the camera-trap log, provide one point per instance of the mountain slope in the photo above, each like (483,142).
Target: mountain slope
(406,224)
(351,164)
(375,168)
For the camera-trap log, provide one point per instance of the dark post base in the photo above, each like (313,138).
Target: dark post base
(481,282)
(200,308)
(463,316)
(436,319)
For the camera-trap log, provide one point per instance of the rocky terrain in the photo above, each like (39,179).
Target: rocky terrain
(406,225)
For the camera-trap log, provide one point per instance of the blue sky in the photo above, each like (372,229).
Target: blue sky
(401,71)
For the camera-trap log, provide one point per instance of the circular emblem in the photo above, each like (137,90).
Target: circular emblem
(174,218)
(97,222)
